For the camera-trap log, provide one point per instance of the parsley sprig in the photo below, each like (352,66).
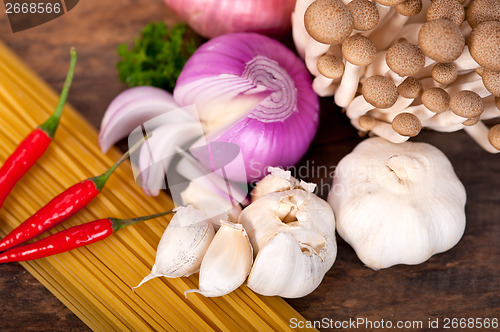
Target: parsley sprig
(156,58)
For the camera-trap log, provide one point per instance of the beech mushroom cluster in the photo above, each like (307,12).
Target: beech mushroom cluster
(397,66)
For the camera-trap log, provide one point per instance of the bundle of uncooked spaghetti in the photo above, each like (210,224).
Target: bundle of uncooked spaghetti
(96,281)
(396,66)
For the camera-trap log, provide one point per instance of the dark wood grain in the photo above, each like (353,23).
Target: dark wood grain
(463,282)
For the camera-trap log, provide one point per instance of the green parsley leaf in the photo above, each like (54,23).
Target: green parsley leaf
(156,58)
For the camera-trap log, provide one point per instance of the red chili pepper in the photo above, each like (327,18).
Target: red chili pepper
(35,144)
(59,208)
(71,238)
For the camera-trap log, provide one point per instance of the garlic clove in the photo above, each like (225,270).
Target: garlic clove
(293,236)
(182,246)
(283,268)
(227,261)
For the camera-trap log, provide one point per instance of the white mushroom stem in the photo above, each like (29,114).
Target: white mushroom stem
(410,33)
(385,130)
(384,36)
(491,110)
(465,28)
(358,107)
(380,128)
(445,120)
(401,104)
(479,133)
(472,82)
(420,17)
(395,77)
(349,84)
(384,13)
(420,111)
(448,129)
(379,66)
(300,35)
(325,86)
(465,61)
(314,51)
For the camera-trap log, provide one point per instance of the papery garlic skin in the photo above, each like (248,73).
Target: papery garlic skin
(226,263)
(211,205)
(293,236)
(397,203)
(183,245)
(277,180)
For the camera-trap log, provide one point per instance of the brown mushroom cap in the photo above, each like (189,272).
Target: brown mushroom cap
(389,2)
(367,122)
(411,88)
(445,73)
(379,91)
(471,121)
(479,11)
(436,100)
(484,45)
(409,7)
(479,71)
(448,9)
(365,14)
(467,104)
(407,124)
(494,136)
(359,50)
(441,40)
(330,66)
(328,21)
(405,59)
(491,81)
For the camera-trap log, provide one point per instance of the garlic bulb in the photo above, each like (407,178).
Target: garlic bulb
(397,203)
(293,236)
(182,246)
(227,261)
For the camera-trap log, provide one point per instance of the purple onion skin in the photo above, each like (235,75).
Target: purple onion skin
(281,142)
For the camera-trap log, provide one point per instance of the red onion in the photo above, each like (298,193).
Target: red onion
(248,90)
(212,18)
(278,130)
(128,110)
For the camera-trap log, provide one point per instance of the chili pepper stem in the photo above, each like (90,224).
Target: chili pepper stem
(51,124)
(122,223)
(100,180)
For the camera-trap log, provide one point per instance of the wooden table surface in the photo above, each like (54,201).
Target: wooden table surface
(461,283)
